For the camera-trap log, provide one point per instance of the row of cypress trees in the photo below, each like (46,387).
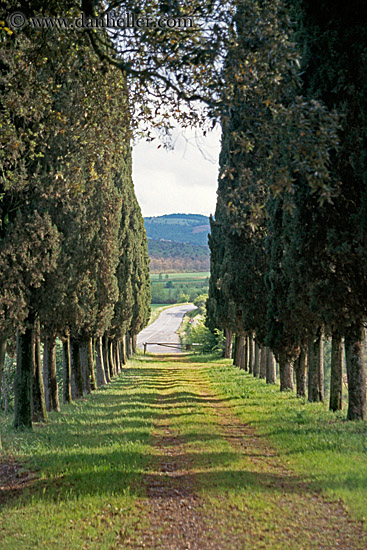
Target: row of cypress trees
(73,249)
(288,240)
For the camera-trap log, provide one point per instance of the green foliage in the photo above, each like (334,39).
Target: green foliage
(200,303)
(288,239)
(7,386)
(74,237)
(183,287)
(140,276)
(210,341)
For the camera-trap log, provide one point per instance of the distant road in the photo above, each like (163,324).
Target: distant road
(164,329)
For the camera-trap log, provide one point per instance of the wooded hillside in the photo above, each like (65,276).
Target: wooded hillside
(178,243)
(168,256)
(180,228)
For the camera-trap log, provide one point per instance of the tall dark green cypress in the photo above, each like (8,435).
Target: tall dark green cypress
(335,45)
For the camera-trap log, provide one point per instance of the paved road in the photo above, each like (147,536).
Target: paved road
(164,329)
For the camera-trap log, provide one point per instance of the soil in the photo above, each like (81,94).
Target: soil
(13,480)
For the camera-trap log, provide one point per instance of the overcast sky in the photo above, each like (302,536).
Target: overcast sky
(180,181)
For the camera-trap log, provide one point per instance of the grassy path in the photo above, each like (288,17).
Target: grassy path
(162,459)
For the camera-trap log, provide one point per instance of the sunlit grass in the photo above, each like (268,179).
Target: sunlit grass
(92,462)
(199,275)
(329,452)
(89,460)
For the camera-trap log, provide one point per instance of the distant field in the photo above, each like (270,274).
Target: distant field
(180,276)
(171,288)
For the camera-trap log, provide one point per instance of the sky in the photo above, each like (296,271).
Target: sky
(183,180)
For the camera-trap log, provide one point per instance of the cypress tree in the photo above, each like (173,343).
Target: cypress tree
(334,41)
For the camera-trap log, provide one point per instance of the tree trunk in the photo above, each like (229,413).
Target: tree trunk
(235,351)
(100,372)
(83,353)
(117,353)
(271,373)
(128,345)
(123,350)
(5,391)
(356,373)
(3,344)
(49,373)
(300,368)
(285,372)
(239,353)
(133,342)
(23,378)
(76,369)
(228,347)
(263,361)
(336,373)
(92,376)
(106,360)
(39,413)
(245,354)
(114,354)
(239,345)
(316,368)
(66,371)
(242,352)
(111,359)
(251,359)
(256,369)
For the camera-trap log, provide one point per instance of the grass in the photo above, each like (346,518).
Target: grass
(248,495)
(89,460)
(154,307)
(184,323)
(327,451)
(180,277)
(176,287)
(93,461)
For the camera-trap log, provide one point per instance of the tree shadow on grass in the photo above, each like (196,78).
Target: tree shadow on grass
(116,473)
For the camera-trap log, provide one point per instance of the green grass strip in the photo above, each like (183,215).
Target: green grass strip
(329,452)
(89,461)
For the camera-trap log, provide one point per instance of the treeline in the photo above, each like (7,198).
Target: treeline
(178,265)
(73,250)
(288,240)
(166,256)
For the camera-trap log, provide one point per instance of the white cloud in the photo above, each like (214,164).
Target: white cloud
(183,180)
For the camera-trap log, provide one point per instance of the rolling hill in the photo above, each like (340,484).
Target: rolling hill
(180,228)
(178,243)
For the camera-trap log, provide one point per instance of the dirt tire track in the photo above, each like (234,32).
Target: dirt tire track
(177,517)
(328,522)
(180,519)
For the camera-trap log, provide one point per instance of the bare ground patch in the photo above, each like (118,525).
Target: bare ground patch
(13,480)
